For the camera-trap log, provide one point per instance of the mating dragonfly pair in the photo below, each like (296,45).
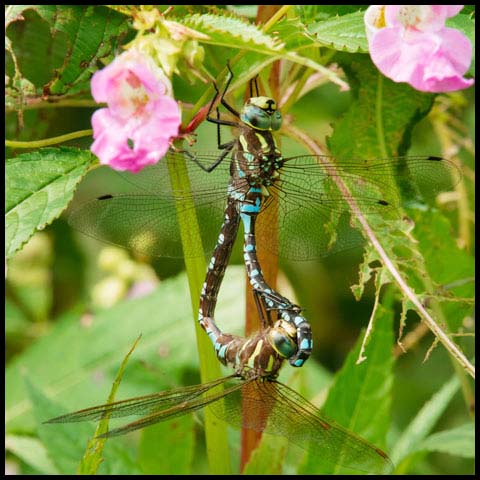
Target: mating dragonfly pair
(308,194)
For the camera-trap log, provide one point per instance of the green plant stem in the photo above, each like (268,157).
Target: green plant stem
(442,336)
(276,17)
(48,141)
(215,431)
(426,280)
(57,102)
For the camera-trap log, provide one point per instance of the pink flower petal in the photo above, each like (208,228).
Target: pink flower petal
(457,49)
(447,11)
(141,119)
(420,17)
(418,49)
(440,76)
(107,143)
(395,58)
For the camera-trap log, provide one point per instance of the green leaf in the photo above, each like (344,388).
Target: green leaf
(31,451)
(63,445)
(234,33)
(458,441)
(39,186)
(381,115)
(293,35)
(446,264)
(381,120)
(160,438)
(345,33)
(93,453)
(95,33)
(314,13)
(77,362)
(418,429)
(38,53)
(66,443)
(360,397)
(78,37)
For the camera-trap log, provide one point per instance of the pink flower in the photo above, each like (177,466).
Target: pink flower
(410,43)
(141,119)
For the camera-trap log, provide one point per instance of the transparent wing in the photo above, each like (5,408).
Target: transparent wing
(143,218)
(155,179)
(157,407)
(276,409)
(271,406)
(317,193)
(316,196)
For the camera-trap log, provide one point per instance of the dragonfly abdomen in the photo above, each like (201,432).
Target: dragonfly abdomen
(215,272)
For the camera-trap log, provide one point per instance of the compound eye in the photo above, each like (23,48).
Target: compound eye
(255,117)
(276,120)
(283,344)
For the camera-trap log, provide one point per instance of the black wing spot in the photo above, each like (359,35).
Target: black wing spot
(105,197)
(433,157)
(383,202)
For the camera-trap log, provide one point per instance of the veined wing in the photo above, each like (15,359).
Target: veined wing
(155,179)
(157,406)
(310,198)
(371,182)
(322,436)
(142,216)
(276,409)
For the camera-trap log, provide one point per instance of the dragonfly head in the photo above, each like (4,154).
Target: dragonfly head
(261,113)
(283,338)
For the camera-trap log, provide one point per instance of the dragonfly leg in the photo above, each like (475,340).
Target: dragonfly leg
(227,146)
(253,83)
(264,314)
(222,98)
(222,101)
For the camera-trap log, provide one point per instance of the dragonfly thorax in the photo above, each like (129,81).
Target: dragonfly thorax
(256,161)
(260,356)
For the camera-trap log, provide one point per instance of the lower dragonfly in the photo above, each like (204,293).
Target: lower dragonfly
(251,398)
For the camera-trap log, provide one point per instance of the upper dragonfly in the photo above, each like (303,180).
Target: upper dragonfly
(227,193)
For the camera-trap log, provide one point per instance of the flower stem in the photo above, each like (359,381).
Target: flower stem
(48,141)
(215,431)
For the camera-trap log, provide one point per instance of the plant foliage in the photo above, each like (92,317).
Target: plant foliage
(72,315)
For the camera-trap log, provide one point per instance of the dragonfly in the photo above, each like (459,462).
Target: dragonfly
(226,194)
(249,398)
